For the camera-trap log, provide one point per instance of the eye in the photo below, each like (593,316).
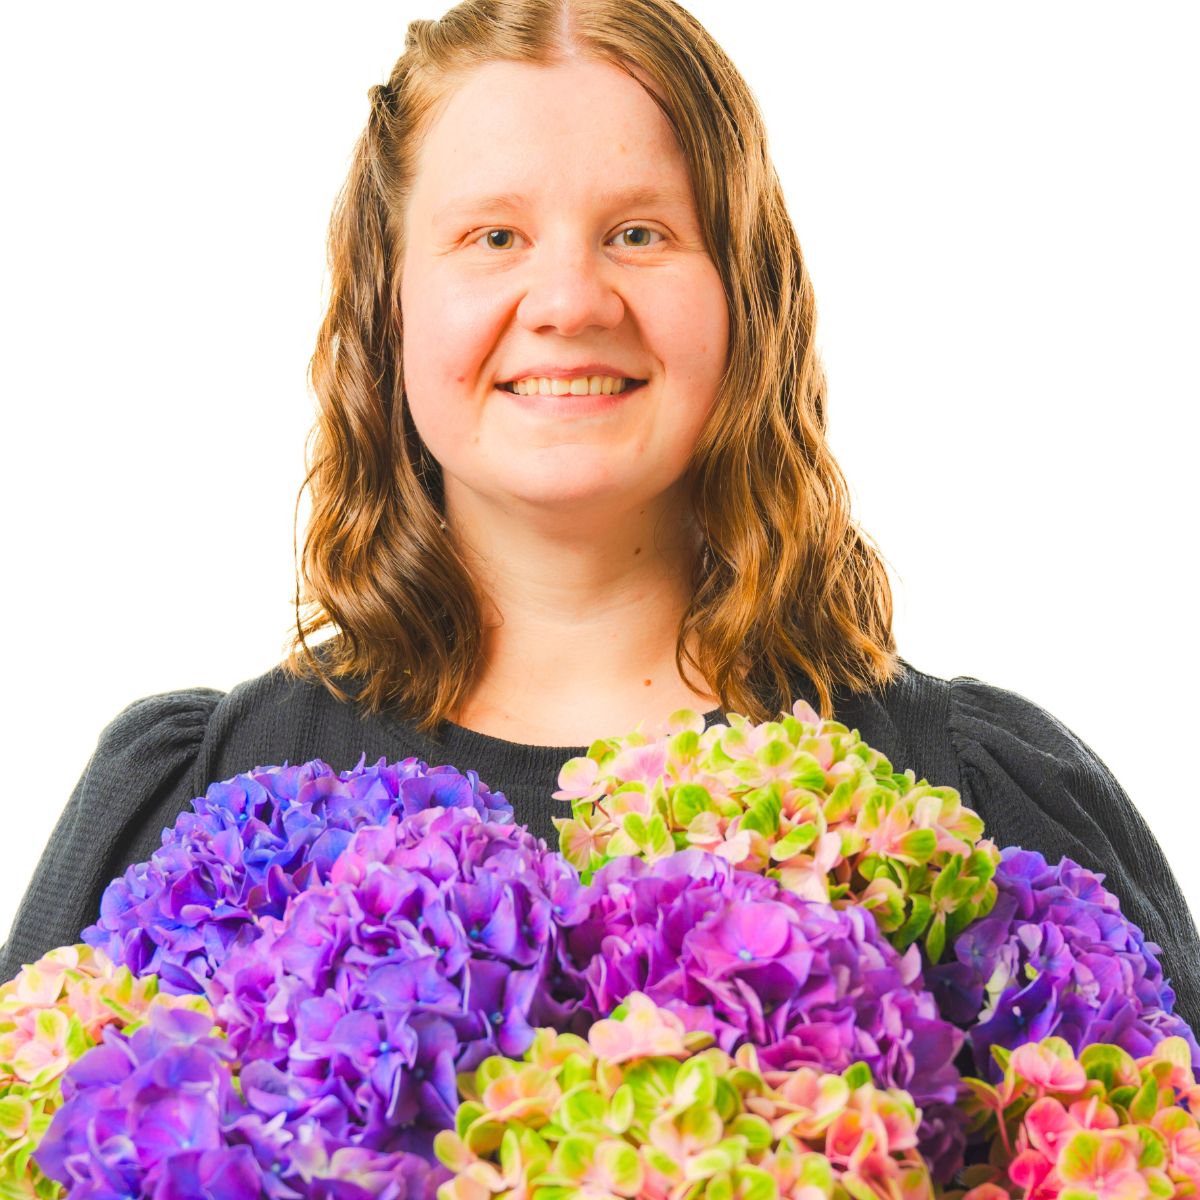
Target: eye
(502,238)
(642,229)
(491,233)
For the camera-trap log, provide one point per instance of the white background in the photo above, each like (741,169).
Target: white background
(998,206)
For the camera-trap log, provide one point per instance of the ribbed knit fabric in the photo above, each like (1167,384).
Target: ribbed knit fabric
(1031,780)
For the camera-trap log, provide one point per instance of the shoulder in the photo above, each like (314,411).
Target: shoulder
(279,717)
(977,719)
(166,725)
(193,729)
(1034,782)
(140,775)
(1033,773)
(1019,766)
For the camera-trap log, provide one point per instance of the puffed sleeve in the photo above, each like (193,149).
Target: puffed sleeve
(137,781)
(1036,785)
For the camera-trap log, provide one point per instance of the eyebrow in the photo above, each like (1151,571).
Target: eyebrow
(644,194)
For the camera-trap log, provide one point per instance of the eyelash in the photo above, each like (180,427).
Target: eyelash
(507,229)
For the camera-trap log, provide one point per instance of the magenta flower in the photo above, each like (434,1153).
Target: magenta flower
(432,945)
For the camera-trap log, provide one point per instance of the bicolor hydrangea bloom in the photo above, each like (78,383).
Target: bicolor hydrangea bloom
(643,1108)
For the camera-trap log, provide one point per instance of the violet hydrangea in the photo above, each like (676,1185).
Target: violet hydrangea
(159,1114)
(252,842)
(147,1114)
(736,955)
(432,946)
(1056,957)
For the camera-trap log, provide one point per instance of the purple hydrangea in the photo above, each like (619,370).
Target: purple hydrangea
(156,1114)
(252,842)
(1056,957)
(433,944)
(732,953)
(148,1114)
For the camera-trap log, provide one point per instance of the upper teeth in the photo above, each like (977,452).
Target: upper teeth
(584,385)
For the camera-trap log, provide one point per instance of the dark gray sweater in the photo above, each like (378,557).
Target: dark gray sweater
(1031,780)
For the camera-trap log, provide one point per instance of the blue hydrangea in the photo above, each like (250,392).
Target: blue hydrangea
(252,842)
(1055,956)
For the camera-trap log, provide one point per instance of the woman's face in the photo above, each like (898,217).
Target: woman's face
(552,234)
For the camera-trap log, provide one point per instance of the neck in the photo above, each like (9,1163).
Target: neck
(581,620)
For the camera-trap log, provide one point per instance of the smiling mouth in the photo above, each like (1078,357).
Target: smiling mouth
(562,387)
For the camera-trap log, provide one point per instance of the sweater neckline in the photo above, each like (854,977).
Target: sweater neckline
(482,752)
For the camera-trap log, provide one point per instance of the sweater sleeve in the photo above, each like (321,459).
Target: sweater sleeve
(138,779)
(1036,785)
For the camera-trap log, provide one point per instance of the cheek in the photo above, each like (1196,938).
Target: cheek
(692,333)
(448,331)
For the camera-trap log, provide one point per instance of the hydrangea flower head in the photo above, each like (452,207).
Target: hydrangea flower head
(51,1014)
(1101,1123)
(801,800)
(252,842)
(1056,957)
(736,956)
(146,1111)
(600,1117)
(432,945)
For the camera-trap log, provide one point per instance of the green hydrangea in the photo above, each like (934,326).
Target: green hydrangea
(799,799)
(644,1109)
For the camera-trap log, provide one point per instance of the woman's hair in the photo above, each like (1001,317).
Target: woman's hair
(787,581)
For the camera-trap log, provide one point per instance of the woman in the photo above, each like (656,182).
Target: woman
(517,562)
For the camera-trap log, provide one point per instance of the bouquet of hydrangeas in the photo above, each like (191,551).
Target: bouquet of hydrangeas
(758,968)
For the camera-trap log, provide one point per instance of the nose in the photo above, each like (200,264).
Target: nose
(570,288)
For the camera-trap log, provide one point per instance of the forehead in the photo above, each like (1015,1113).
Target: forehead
(507,127)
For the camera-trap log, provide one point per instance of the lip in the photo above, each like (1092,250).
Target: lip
(558,407)
(547,371)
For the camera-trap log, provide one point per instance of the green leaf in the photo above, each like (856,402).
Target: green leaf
(634,826)
(753,1183)
(918,919)
(468,1113)
(773,752)
(684,745)
(762,815)
(583,1109)
(78,1043)
(754,1129)
(573,1155)
(1154,1147)
(943,885)
(935,939)
(695,1083)
(857,1074)
(16,1113)
(917,845)
(840,801)
(620,1109)
(1110,1064)
(689,800)
(795,841)
(807,773)
(716,1160)
(620,1162)
(1145,1102)
(662,1162)
(815,1171)
(720,1187)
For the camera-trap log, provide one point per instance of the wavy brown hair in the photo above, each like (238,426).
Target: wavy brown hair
(788,583)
